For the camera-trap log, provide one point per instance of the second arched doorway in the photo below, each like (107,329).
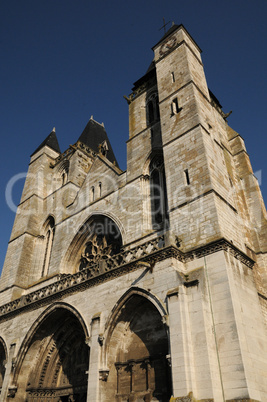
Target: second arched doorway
(137,350)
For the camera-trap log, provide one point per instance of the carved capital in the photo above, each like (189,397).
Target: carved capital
(103,374)
(101,339)
(13,364)
(12,392)
(169,360)
(119,369)
(165,319)
(132,365)
(88,341)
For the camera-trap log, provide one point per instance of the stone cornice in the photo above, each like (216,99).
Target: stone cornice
(211,191)
(129,260)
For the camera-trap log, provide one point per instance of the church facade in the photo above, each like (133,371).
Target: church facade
(148,284)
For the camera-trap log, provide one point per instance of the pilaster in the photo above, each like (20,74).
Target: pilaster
(93,374)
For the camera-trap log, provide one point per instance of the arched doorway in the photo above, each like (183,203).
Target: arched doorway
(3,360)
(56,361)
(137,351)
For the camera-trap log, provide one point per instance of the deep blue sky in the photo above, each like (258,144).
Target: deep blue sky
(65,60)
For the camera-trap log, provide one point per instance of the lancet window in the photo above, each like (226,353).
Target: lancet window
(63,172)
(175,106)
(159,208)
(152,109)
(48,243)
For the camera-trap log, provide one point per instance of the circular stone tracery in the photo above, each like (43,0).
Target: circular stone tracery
(103,241)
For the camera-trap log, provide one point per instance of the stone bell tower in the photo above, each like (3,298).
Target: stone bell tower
(215,208)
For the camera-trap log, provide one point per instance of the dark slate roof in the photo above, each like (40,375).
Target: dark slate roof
(215,99)
(151,72)
(50,141)
(151,67)
(95,134)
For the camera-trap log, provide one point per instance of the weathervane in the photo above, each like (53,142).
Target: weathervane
(164,25)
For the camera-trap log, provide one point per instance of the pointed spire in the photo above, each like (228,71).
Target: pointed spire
(94,136)
(50,141)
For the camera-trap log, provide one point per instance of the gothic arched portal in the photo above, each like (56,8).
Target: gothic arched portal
(137,354)
(56,361)
(3,359)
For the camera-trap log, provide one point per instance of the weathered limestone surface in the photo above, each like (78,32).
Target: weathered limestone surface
(148,284)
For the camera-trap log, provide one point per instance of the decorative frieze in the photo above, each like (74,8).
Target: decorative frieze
(127,260)
(34,394)
(189,284)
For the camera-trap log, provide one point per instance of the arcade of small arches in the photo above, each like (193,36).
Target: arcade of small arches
(53,363)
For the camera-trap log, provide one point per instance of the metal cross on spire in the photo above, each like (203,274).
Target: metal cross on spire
(164,25)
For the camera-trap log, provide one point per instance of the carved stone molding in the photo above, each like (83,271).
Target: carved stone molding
(189,284)
(77,146)
(101,339)
(11,392)
(55,394)
(127,260)
(103,374)
(190,398)
(169,360)
(13,364)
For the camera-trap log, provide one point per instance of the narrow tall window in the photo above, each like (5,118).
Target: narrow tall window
(92,194)
(152,109)
(100,189)
(174,106)
(158,192)
(157,107)
(187,178)
(48,243)
(64,176)
(103,148)
(63,172)
(173,77)
(150,112)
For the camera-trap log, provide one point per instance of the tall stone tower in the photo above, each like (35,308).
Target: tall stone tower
(145,284)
